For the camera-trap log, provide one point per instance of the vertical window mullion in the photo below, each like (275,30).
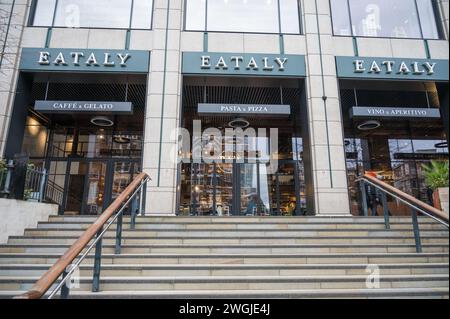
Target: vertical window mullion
(54,13)
(350,18)
(131,15)
(206,15)
(279,17)
(418,19)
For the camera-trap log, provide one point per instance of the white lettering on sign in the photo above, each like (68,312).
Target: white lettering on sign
(91,59)
(416,68)
(81,106)
(252,63)
(395,112)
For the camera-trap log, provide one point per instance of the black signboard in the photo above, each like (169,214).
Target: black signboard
(421,156)
(83,107)
(375,112)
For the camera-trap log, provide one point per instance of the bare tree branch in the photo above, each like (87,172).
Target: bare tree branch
(8,40)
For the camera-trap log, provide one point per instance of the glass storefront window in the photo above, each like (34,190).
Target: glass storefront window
(35,138)
(269,16)
(428,19)
(341,18)
(43,15)
(385,18)
(134,14)
(398,149)
(142,14)
(289,12)
(195,15)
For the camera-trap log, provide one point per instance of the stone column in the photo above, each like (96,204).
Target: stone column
(325,120)
(163,108)
(10,59)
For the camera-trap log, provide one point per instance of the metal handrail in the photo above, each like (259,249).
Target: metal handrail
(413,203)
(409,200)
(98,229)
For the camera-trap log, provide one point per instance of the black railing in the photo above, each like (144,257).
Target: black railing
(35,184)
(374,193)
(132,197)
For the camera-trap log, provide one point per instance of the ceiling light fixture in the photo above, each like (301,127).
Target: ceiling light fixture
(369,125)
(102,121)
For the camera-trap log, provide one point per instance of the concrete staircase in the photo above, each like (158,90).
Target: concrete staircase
(274,257)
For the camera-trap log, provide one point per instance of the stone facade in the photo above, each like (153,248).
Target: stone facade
(167,41)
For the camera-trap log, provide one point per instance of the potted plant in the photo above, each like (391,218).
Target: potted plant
(436,177)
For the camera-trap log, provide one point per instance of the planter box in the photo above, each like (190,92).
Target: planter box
(440,198)
(443,197)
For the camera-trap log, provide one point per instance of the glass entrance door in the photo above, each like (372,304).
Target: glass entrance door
(244,189)
(92,185)
(94,194)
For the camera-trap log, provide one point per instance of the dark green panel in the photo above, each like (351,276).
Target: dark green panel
(82,60)
(392,68)
(244,64)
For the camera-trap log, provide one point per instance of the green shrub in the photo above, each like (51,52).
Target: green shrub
(436,174)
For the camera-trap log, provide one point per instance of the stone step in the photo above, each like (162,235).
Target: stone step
(240,282)
(150,240)
(240,232)
(16,270)
(341,258)
(250,220)
(392,293)
(231,248)
(244,226)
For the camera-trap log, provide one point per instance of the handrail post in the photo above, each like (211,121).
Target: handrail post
(416,231)
(362,186)
(141,198)
(97,264)
(133,208)
(65,290)
(43,182)
(119,234)
(7,187)
(384,203)
(144,196)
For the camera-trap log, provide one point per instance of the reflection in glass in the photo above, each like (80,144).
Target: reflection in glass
(44,13)
(85,13)
(385,18)
(94,14)
(243,16)
(340,16)
(427,19)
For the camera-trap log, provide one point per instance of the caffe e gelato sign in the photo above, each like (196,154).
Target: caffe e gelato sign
(83,107)
(84,60)
(390,68)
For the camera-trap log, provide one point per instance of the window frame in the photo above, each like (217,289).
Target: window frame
(437,17)
(300,22)
(32,14)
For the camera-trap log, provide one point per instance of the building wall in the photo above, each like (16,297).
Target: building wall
(167,41)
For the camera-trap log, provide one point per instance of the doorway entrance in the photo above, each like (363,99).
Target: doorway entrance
(245,189)
(242,162)
(92,185)
(90,157)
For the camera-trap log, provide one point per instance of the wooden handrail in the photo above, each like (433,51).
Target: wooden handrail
(410,199)
(52,275)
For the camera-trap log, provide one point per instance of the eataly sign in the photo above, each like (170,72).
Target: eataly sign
(391,66)
(105,59)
